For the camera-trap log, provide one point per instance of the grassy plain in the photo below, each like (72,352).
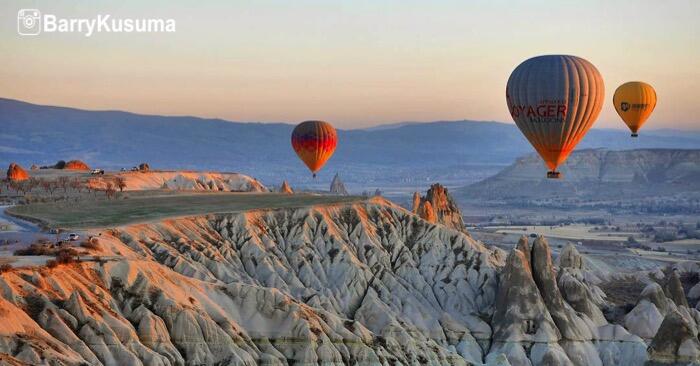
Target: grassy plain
(156,205)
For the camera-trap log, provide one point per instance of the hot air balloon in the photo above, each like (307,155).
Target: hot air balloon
(554,100)
(314,143)
(634,101)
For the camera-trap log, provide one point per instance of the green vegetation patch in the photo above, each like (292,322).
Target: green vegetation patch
(97,213)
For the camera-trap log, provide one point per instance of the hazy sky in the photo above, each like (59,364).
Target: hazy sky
(354,63)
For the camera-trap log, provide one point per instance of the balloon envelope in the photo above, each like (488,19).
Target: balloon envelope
(634,101)
(314,142)
(554,100)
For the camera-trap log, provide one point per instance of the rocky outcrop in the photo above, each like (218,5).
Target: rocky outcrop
(674,290)
(645,318)
(570,258)
(416,203)
(427,213)
(535,324)
(76,165)
(521,314)
(337,186)
(438,206)
(676,341)
(15,173)
(285,188)
(583,296)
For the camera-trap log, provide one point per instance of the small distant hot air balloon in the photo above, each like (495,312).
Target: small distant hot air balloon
(554,100)
(314,143)
(634,101)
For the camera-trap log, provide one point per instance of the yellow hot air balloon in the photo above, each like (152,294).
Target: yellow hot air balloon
(554,100)
(634,101)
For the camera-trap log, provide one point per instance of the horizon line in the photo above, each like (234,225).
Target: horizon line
(388,125)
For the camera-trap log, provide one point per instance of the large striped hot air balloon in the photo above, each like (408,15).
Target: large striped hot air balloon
(554,100)
(634,101)
(314,143)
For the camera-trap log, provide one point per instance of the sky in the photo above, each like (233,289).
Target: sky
(353,63)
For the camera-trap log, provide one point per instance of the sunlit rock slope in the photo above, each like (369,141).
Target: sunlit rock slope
(365,283)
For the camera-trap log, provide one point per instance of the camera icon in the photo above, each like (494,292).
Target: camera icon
(29,22)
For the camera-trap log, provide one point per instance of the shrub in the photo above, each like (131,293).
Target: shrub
(5,268)
(35,249)
(51,263)
(65,256)
(91,243)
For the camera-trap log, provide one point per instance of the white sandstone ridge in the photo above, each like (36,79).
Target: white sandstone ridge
(183,180)
(366,283)
(361,283)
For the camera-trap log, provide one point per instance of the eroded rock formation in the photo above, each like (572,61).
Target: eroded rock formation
(285,188)
(438,206)
(76,165)
(16,173)
(535,324)
(337,186)
(367,283)
(364,283)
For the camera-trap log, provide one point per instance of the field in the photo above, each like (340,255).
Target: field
(147,206)
(570,232)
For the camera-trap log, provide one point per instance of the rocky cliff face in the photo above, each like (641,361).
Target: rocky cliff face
(16,173)
(366,283)
(438,206)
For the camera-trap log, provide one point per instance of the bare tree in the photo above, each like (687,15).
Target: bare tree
(21,187)
(32,183)
(48,186)
(76,184)
(120,182)
(62,182)
(110,191)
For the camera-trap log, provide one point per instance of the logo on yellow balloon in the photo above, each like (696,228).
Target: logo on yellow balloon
(635,106)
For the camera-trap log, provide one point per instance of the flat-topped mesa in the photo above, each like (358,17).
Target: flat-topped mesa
(15,173)
(441,206)
(184,181)
(337,186)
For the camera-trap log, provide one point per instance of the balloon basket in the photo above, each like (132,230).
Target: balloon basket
(553,175)
(635,135)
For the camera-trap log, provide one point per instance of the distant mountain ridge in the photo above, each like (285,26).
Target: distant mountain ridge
(406,152)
